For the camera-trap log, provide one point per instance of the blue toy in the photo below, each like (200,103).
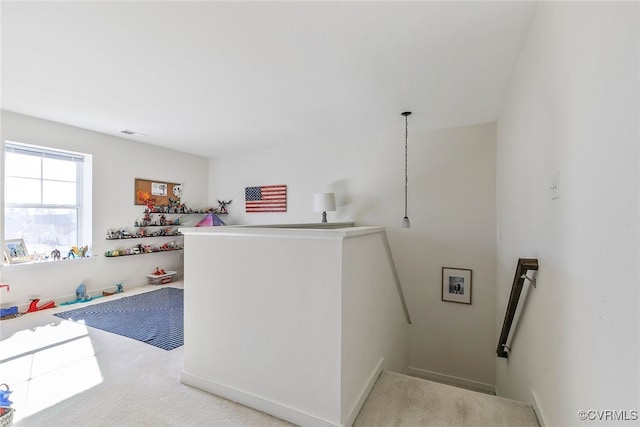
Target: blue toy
(81,295)
(9,311)
(4,396)
(81,292)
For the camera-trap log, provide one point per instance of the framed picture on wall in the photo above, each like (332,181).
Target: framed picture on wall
(15,251)
(456,285)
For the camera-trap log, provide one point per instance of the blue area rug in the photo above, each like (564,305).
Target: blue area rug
(154,317)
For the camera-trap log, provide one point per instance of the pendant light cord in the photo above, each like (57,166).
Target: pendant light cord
(406,148)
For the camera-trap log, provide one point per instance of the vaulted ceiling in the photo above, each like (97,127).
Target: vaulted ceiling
(213,77)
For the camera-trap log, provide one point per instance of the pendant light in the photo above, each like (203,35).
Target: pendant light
(405,221)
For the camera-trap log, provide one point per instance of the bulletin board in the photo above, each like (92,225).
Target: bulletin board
(157,191)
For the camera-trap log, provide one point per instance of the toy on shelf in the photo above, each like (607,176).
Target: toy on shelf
(223,206)
(144,249)
(113,234)
(210,220)
(119,289)
(147,221)
(160,221)
(76,252)
(175,207)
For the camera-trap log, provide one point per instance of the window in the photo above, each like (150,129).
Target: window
(47,198)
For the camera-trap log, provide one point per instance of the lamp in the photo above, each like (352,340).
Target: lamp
(323,202)
(405,221)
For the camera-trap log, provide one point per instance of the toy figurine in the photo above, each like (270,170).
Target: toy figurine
(33,306)
(81,292)
(223,206)
(82,295)
(177,190)
(146,220)
(4,396)
(76,252)
(119,289)
(9,312)
(55,254)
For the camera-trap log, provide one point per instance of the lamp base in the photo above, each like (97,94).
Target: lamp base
(324,216)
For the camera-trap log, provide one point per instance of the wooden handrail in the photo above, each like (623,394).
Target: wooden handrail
(524,265)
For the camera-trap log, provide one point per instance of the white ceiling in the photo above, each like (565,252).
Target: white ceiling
(213,77)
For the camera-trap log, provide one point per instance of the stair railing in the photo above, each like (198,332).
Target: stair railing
(524,265)
(395,276)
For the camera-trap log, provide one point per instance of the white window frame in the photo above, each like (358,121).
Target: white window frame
(83,186)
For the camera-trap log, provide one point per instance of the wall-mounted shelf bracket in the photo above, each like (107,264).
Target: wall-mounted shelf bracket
(530,279)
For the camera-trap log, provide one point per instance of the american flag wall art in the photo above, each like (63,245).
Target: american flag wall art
(267,198)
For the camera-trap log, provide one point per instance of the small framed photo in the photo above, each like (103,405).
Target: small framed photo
(15,251)
(159,189)
(456,285)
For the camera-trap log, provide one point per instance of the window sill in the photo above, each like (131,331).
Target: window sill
(46,264)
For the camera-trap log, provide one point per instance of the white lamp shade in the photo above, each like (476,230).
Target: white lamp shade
(324,202)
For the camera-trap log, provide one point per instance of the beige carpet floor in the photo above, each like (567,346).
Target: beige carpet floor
(400,400)
(66,374)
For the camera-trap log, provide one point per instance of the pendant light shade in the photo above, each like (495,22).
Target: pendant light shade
(405,221)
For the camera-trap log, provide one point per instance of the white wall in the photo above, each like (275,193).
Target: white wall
(573,107)
(282,324)
(116,164)
(375,331)
(452,210)
(296,323)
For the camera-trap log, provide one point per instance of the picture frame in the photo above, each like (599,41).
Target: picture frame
(456,285)
(15,251)
(157,192)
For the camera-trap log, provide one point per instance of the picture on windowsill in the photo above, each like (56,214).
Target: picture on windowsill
(456,285)
(15,251)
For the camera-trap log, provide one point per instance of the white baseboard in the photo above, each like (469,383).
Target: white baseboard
(449,379)
(538,410)
(277,410)
(353,413)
